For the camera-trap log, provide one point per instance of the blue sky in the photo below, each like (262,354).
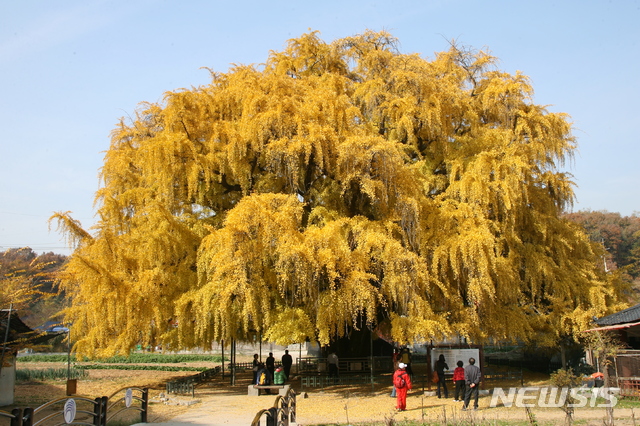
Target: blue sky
(69,70)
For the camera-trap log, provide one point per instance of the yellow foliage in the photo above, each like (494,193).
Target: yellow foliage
(332,188)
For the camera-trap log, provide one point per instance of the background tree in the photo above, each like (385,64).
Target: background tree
(333,188)
(619,236)
(27,282)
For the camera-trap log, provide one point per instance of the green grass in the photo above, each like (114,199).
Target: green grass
(27,375)
(623,402)
(137,367)
(134,358)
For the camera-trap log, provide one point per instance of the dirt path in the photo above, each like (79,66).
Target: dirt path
(218,403)
(231,406)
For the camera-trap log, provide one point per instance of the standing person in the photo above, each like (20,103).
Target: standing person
(440,366)
(332,360)
(458,381)
(256,365)
(401,383)
(472,376)
(395,358)
(405,358)
(287,362)
(271,363)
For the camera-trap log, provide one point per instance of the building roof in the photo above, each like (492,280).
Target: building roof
(631,314)
(20,334)
(16,326)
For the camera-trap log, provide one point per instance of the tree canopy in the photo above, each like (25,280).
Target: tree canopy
(27,284)
(335,187)
(620,236)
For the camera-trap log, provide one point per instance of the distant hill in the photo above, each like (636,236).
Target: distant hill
(620,237)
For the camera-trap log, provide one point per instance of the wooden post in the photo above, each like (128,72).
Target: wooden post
(97,411)
(16,420)
(233,362)
(27,417)
(145,405)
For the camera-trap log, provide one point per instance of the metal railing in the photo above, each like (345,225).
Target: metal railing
(187,385)
(15,416)
(128,403)
(81,410)
(315,381)
(72,412)
(282,413)
(345,365)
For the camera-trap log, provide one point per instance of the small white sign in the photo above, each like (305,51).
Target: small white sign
(128,397)
(69,411)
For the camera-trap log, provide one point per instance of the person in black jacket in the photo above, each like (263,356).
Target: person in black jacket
(440,366)
(256,367)
(287,362)
(271,363)
(472,377)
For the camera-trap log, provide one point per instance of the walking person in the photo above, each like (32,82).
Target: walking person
(472,377)
(440,366)
(402,384)
(458,382)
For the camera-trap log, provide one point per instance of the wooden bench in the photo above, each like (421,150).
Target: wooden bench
(254,390)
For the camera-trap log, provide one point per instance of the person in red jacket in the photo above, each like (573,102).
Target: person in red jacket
(402,383)
(458,381)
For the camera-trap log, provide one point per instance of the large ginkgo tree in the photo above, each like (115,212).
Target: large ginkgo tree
(336,187)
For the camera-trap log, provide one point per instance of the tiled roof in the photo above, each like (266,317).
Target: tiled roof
(631,314)
(16,326)
(20,335)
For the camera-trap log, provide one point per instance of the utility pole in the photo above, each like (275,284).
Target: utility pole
(69,352)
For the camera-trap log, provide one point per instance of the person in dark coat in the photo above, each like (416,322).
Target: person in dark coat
(440,366)
(287,362)
(472,377)
(256,367)
(271,363)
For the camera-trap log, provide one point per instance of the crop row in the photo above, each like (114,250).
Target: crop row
(137,367)
(134,358)
(27,375)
